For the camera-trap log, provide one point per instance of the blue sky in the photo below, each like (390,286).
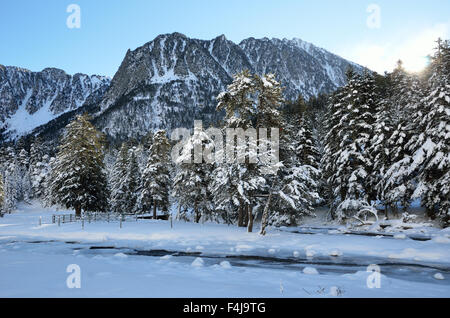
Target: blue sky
(34,34)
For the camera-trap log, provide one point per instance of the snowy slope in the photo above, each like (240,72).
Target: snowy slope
(30,99)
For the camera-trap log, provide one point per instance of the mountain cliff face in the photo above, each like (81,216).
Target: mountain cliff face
(30,99)
(165,83)
(173,79)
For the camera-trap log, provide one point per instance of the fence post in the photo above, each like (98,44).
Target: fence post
(40,220)
(59,220)
(53,219)
(121,221)
(107,218)
(171,225)
(82,223)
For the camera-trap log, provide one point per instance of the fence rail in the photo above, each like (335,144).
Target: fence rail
(90,217)
(64,218)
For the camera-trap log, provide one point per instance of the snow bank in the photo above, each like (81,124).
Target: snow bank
(310,271)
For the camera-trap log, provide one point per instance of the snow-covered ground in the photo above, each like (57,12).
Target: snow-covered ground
(150,259)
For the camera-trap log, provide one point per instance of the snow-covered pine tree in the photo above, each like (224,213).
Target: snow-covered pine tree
(433,145)
(190,185)
(39,168)
(78,178)
(251,102)
(391,154)
(328,162)
(117,184)
(11,187)
(237,101)
(36,168)
(316,112)
(348,159)
(132,179)
(12,179)
(269,101)
(379,151)
(298,177)
(156,175)
(233,182)
(48,198)
(24,182)
(305,145)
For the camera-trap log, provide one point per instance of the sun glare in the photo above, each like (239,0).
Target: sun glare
(415,63)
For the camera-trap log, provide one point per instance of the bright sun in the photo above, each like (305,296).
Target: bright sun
(414,63)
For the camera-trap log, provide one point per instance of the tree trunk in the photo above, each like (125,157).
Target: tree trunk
(394,210)
(265,216)
(78,210)
(245,215)
(240,214)
(154,209)
(250,219)
(197,215)
(430,213)
(178,212)
(386,212)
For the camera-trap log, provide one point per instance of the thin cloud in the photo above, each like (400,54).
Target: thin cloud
(413,51)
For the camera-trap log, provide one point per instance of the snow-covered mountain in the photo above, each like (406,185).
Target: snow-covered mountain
(173,79)
(31,99)
(166,83)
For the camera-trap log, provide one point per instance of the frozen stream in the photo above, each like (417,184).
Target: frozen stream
(154,259)
(411,272)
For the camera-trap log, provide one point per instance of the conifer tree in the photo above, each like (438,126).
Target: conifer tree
(298,177)
(250,102)
(237,101)
(78,178)
(37,168)
(12,182)
(24,181)
(433,145)
(192,178)
(234,181)
(348,160)
(132,179)
(156,175)
(118,185)
(390,150)
(304,144)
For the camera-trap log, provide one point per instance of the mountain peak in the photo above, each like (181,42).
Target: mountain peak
(166,83)
(175,79)
(221,37)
